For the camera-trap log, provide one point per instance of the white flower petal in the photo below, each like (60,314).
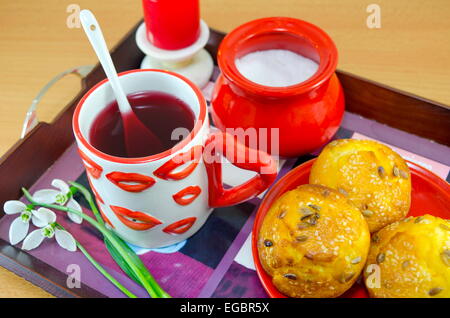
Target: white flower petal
(37,221)
(13,207)
(61,185)
(76,206)
(45,196)
(65,240)
(45,215)
(33,240)
(18,230)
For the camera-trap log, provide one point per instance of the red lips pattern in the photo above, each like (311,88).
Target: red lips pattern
(135,182)
(166,171)
(105,218)
(139,182)
(187,195)
(139,221)
(94,169)
(142,221)
(180,227)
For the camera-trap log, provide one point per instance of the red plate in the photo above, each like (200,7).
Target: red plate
(430,195)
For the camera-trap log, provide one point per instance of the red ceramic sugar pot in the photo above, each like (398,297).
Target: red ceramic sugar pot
(307,114)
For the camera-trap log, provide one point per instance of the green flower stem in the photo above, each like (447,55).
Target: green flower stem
(122,288)
(76,187)
(149,285)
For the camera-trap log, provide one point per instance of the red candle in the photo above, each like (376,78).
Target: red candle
(172,24)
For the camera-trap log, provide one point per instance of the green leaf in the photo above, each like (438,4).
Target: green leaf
(133,256)
(120,261)
(116,255)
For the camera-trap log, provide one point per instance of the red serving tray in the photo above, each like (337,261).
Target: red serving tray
(430,195)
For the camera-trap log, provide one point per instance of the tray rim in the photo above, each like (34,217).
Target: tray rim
(12,256)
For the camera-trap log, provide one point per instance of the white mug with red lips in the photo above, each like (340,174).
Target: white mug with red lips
(163,199)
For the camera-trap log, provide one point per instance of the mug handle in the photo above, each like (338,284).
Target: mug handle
(265,166)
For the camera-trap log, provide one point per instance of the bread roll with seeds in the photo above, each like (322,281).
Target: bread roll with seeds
(410,259)
(373,177)
(313,242)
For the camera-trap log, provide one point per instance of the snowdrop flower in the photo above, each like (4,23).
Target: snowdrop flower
(62,196)
(48,229)
(19,227)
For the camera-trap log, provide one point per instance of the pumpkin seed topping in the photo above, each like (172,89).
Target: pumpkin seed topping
(396,171)
(306,211)
(346,277)
(445,256)
(403,174)
(290,276)
(282,214)
(434,291)
(301,238)
(342,191)
(356,260)
(268,243)
(314,206)
(406,264)
(419,219)
(303,225)
(381,172)
(313,219)
(380,258)
(367,213)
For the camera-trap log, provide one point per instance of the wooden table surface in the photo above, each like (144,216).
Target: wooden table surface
(409,52)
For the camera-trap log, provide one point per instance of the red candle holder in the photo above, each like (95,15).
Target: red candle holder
(172,24)
(173,38)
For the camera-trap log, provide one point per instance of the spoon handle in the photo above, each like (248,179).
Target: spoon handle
(95,36)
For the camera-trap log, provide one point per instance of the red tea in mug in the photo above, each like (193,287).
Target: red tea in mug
(162,113)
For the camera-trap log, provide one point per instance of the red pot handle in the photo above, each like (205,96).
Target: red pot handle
(218,144)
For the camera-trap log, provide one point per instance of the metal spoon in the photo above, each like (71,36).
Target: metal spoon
(137,135)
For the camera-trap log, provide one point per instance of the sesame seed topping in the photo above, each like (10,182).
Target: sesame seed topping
(445,256)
